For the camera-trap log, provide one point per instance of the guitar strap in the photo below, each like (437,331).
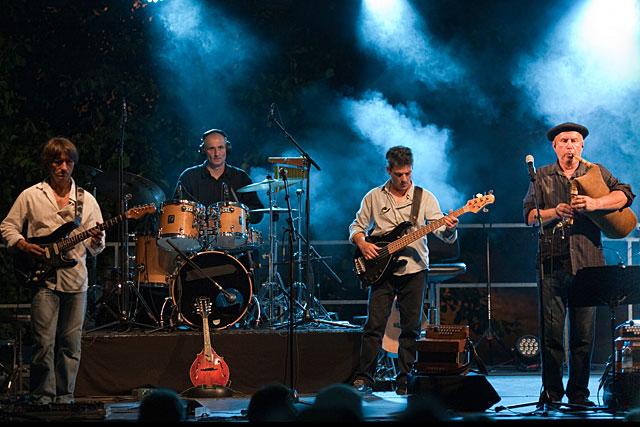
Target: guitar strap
(415,205)
(79,201)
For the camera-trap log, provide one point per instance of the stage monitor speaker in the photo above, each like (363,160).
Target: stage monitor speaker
(460,393)
(625,395)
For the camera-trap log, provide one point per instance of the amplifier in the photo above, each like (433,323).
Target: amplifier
(444,349)
(633,357)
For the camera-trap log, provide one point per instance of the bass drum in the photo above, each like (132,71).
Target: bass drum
(190,283)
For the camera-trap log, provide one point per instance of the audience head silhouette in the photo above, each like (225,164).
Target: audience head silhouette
(162,405)
(337,402)
(424,408)
(272,402)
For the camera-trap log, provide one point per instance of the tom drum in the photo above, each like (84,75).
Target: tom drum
(180,223)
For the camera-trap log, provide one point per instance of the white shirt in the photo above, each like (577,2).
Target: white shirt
(38,206)
(380,213)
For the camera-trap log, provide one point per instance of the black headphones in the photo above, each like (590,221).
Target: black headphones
(209,132)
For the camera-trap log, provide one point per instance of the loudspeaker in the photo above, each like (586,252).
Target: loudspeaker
(209,132)
(625,394)
(459,393)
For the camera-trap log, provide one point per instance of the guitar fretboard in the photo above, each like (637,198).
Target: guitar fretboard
(403,241)
(74,240)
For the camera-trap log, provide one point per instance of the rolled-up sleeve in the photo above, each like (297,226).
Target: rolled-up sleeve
(362,222)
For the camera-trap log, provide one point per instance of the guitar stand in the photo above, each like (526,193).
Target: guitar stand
(208,392)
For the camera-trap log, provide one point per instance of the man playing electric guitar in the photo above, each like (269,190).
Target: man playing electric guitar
(58,305)
(384,211)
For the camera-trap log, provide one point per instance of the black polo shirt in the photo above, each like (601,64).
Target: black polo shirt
(199,186)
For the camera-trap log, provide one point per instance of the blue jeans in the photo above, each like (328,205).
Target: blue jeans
(410,290)
(56,325)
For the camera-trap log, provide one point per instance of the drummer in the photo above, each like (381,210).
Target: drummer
(215,180)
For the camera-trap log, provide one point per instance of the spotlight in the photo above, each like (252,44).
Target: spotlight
(527,351)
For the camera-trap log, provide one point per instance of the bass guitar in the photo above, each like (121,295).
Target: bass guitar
(208,369)
(372,271)
(34,270)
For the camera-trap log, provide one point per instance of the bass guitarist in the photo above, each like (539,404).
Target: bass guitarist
(59,303)
(382,213)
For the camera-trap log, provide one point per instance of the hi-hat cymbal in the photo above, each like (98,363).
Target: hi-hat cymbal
(267,184)
(142,190)
(275,209)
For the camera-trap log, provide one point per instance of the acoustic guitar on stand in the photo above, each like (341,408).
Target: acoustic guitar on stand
(208,369)
(372,271)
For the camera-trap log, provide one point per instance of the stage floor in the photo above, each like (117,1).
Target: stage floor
(513,387)
(119,368)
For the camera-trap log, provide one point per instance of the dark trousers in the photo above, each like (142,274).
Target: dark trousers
(554,293)
(410,290)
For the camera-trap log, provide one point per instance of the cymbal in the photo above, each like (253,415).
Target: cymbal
(142,190)
(275,209)
(89,169)
(267,184)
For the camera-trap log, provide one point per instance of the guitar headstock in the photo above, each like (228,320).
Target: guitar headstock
(203,306)
(480,201)
(138,211)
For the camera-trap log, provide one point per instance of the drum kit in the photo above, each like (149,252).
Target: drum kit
(195,253)
(195,250)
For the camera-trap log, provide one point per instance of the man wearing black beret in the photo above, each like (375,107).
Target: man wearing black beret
(569,242)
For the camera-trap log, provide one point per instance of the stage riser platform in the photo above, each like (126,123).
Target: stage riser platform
(114,364)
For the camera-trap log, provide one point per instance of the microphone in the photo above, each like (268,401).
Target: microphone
(225,190)
(179,191)
(270,118)
(283,174)
(532,171)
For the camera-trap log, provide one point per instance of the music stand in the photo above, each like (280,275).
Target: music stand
(609,286)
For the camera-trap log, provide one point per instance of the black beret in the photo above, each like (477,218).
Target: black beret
(567,127)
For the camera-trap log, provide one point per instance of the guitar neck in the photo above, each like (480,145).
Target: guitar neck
(207,339)
(74,240)
(403,241)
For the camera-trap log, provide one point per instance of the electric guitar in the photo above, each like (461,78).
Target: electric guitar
(32,270)
(372,271)
(208,369)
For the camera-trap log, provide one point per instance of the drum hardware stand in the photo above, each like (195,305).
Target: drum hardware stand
(269,286)
(15,374)
(306,163)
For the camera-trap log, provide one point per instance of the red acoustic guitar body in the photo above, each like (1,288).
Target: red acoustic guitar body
(208,369)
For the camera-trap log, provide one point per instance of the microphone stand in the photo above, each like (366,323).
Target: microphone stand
(125,317)
(283,174)
(545,400)
(308,161)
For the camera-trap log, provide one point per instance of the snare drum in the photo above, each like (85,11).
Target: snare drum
(227,223)
(180,222)
(153,265)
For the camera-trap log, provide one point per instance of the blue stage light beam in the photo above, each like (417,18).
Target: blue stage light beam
(609,33)
(396,32)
